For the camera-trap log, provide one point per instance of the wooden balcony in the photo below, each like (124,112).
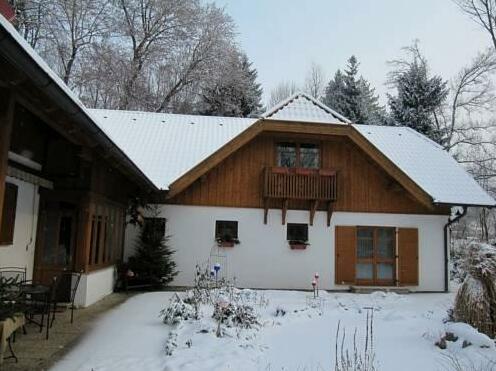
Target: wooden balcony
(314,185)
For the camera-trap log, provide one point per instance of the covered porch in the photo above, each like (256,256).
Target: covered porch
(64,185)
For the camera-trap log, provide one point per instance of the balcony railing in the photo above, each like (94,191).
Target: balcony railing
(300,184)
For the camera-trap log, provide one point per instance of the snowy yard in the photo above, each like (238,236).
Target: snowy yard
(133,337)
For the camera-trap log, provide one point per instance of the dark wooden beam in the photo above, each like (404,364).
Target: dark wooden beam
(313,209)
(330,209)
(7,103)
(266,209)
(284,211)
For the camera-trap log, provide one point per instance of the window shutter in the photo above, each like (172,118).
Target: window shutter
(345,250)
(408,256)
(8,214)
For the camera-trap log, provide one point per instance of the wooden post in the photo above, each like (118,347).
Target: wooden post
(313,209)
(6,122)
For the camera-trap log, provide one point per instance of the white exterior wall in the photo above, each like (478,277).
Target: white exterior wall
(21,252)
(263,258)
(95,286)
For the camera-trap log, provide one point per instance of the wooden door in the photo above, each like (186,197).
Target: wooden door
(56,239)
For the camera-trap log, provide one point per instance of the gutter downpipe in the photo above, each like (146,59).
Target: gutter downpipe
(456,218)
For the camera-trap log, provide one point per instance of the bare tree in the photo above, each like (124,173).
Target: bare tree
(30,15)
(471,95)
(483,12)
(281,92)
(71,26)
(315,81)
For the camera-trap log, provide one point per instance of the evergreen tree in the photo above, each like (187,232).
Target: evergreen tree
(353,97)
(418,96)
(237,93)
(152,261)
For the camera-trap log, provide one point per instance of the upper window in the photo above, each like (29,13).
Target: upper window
(286,154)
(8,214)
(297,232)
(306,155)
(226,230)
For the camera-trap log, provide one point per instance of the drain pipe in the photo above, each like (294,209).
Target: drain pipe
(457,217)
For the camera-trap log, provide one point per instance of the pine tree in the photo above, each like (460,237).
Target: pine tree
(237,93)
(152,261)
(418,96)
(353,97)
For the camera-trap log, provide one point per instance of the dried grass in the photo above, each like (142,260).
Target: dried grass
(475,301)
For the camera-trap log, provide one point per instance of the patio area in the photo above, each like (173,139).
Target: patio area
(36,353)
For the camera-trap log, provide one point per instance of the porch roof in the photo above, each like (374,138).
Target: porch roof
(17,51)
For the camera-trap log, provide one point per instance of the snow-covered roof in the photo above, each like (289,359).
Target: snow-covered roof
(427,164)
(166,146)
(301,107)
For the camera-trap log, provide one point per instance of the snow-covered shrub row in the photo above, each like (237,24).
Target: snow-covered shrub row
(475,301)
(235,315)
(177,311)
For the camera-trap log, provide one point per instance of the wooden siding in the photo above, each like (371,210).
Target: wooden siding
(362,186)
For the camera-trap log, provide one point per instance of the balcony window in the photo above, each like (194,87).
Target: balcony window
(309,156)
(286,155)
(303,155)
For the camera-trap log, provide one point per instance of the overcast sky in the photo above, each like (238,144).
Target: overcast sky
(283,37)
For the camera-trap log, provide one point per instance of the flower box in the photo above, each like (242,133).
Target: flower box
(304,171)
(280,170)
(226,243)
(297,246)
(326,172)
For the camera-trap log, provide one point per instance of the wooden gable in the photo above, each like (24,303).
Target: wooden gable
(363,185)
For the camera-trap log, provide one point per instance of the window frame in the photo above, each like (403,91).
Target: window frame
(9,214)
(376,259)
(298,145)
(298,225)
(220,235)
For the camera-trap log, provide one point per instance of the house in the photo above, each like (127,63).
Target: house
(271,199)
(300,190)
(64,184)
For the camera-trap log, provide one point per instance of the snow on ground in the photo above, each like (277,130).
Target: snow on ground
(133,337)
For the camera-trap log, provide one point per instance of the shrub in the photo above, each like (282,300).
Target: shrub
(235,315)
(177,311)
(152,262)
(475,301)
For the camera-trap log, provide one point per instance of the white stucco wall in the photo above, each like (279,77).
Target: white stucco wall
(21,252)
(263,258)
(94,286)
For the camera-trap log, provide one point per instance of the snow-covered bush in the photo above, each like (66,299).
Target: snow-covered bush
(177,311)
(235,315)
(475,301)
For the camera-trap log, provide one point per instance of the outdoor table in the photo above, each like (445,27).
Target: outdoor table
(7,328)
(42,291)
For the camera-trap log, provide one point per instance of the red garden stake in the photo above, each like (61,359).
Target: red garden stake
(316,279)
